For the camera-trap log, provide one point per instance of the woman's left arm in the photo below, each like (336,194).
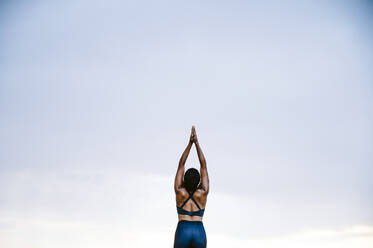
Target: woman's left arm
(180,169)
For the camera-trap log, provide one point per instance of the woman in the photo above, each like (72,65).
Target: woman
(191,196)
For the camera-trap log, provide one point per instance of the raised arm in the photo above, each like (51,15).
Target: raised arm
(205,183)
(180,169)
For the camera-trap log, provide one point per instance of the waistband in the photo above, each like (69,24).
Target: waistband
(190,221)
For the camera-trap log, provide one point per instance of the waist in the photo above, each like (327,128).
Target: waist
(190,222)
(182,217)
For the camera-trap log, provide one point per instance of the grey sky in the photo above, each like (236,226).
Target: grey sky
(95,98)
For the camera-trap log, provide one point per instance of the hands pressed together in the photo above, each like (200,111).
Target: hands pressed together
(193,136)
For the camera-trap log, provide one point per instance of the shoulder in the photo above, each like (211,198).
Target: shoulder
(181,195)
(201,193)
(181,191)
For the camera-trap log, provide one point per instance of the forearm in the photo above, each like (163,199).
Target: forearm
(201,157)
(185,154)
(203,169)
(181,167)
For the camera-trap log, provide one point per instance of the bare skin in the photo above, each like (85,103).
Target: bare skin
(201,193)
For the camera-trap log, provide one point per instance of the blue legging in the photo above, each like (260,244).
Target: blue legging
(190,234)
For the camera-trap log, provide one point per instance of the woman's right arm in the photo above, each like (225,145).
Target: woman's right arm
(205,183)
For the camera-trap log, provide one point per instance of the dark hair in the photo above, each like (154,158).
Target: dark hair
(191,179)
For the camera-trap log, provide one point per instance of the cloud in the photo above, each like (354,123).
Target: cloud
(37,232)
(96,110)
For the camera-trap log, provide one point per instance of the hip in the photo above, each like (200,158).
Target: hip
(190,234)
(190,227)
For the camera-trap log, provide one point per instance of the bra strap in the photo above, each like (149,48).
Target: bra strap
(182,205)
(195,202)
(190,197)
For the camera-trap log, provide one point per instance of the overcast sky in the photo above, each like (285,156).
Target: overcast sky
(97,100)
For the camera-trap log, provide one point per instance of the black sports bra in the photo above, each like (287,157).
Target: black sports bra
(180,209)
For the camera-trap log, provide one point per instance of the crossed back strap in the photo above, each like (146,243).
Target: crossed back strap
(190,197)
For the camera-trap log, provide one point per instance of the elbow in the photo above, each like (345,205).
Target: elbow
(206,189)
